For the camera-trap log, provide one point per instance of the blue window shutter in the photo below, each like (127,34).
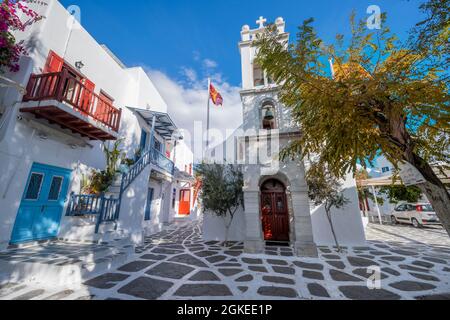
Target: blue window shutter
(143,140)
(148,208)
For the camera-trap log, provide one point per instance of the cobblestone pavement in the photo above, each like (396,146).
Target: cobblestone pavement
(177,264)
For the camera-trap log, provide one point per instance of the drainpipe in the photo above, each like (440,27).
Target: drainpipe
(66,46)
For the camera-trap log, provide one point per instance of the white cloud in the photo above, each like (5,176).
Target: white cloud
(189,73)
(209,64)
(187,101)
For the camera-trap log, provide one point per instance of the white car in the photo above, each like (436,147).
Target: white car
(419,215)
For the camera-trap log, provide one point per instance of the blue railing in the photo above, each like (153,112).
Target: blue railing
(164,163)
(135,171)
(84,205)
(104,208)
(108,209)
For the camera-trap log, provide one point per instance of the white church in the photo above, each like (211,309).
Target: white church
(277,206)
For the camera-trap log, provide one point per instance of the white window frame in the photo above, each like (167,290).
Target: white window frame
(40,187)
(59,191)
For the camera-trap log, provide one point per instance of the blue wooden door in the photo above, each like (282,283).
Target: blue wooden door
(143,145)
(148,207)
(42,204)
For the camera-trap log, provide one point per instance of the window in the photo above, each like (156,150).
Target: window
(54,63)
(34,186)
(55,188)
(174,198)
(104,106)
(425,208)
(169,148)
(386,169)
(158,145)
(143,144)
(148,208)
(258,76)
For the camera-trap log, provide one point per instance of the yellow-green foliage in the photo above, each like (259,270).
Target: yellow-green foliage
(385,96)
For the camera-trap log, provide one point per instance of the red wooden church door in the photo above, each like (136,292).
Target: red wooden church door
(275,213)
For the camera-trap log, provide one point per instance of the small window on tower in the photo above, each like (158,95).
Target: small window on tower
(268,117)
(258,76)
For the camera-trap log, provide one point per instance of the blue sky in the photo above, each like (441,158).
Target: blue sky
(171,35)
(180,43)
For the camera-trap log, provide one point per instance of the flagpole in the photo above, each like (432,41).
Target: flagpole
(209,111)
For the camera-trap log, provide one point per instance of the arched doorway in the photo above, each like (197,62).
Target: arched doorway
(274,211)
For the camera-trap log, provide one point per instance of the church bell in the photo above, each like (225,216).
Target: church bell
(269,115)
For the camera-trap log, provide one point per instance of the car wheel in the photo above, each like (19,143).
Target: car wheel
(416,224)
(394,220)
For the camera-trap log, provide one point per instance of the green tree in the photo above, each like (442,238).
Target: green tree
(432,35)
(325,189)
(113,156)
(401,193)
(222,191)
(383,96)
(101,181)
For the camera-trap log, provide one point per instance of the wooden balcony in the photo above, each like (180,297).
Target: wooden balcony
(64,100)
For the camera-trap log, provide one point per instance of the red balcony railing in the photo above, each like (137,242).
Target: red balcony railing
(63,87)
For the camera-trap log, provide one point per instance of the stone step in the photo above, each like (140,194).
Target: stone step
(67,273)
(106,228)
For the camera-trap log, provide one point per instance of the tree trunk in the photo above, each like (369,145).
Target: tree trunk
(330,220)
(227,228)
(434,189)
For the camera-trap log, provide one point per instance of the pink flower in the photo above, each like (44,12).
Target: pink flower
(9,21)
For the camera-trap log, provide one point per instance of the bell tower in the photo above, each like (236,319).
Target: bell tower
(254,77)
(284,214)
(260,107)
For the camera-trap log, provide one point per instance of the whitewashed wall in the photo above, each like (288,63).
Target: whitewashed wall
(20,145)
(214,227)
(347,221)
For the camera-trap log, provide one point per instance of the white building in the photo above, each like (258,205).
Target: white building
(277,206)
(381,168)
(79,96)
(381,175)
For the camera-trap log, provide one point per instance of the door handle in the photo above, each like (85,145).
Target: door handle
(43,209)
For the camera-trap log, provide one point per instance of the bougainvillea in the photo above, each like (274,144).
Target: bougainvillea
(10,49)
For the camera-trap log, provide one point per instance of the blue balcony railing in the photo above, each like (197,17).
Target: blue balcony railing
(104,208)
(108,209)
(164,163)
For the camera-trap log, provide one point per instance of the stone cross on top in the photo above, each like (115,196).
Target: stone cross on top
(261,22)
